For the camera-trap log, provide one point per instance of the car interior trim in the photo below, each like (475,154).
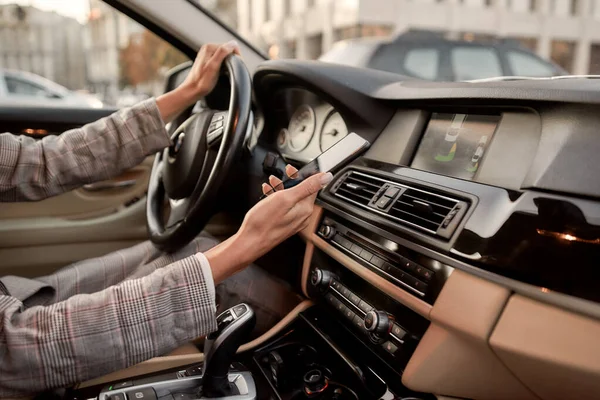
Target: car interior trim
(412,302)
(581,306)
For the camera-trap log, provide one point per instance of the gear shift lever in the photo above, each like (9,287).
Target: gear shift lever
(233,327)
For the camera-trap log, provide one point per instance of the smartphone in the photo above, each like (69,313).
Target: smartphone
(342,151)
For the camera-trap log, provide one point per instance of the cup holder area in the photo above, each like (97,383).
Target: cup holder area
(296,371)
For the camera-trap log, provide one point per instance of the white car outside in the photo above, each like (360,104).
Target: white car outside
(27,89)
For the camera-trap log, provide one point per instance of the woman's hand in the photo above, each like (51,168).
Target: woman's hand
(274,219)
(207,66)
(200,81)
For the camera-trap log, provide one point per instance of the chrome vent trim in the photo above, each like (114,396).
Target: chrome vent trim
(414,207)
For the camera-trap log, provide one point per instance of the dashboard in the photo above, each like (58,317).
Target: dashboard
(472,222)
(306,125)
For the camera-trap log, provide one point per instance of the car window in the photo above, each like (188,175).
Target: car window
(21,87)
(422,63)
(475,63)
(523,64)
(85,51)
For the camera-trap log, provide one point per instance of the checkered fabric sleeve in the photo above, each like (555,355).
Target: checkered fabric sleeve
(89,335)
(36,169)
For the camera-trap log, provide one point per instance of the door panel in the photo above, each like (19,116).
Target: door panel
(36,238)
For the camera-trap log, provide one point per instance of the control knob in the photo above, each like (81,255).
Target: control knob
(327,231)
(321,279)
(315,382)
(378,323)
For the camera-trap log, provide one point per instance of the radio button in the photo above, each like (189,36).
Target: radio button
(359,323)
(348,313)
(336,284)
(366,307)
(354,298)
(376,261)
(387,267)
(356,249)
(366,255)
(344,291)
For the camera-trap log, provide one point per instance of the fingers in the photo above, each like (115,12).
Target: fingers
(310,186)
(266,189)
(221,52)
(275,182)
(291,171)
(273,185)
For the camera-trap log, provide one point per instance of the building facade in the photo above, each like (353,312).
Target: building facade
(44,43)
(566,31)
(107,33)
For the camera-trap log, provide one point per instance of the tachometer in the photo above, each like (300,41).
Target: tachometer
(301,128)
(334,129)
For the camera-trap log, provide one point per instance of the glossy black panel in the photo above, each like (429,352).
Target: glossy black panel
(544,239)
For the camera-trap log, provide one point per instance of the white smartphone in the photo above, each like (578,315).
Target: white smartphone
(344,150)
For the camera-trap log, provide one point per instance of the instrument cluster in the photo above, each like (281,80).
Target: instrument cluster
(311,130)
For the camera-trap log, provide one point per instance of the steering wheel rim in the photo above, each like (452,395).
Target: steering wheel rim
(176,167)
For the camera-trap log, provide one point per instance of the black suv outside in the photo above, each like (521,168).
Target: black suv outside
(438,59)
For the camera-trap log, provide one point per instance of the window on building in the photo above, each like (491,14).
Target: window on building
(475,63)
(22,87)
(523,64)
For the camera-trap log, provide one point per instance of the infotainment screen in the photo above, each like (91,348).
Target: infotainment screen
(454,144)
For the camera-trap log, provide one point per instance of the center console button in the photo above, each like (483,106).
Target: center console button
(359,323)
(116,396)
(356,249)
(344,291)
(376,261)
(142,394)
(398,331)
(354,298)
(390,347)
(240,309)
(366,307)
(348,313)
(366,255)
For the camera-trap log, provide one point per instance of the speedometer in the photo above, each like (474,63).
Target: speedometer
(301,128)
(334,129)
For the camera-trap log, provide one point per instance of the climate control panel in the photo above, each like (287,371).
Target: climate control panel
(379,326)
(420,276)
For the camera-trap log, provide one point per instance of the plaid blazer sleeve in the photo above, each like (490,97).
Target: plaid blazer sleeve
(35,169)
(90,335)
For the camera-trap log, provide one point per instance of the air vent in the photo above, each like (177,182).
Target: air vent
(431,211)
(358,188)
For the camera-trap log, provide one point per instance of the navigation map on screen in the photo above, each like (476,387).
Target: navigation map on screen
(454,144)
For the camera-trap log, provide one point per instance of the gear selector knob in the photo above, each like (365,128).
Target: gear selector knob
(233,327)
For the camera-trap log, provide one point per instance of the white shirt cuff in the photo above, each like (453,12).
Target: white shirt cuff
(207,272)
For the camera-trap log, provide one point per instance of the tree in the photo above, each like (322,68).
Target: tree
(144,57)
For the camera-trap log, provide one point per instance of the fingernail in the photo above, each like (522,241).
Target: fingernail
(232,44)
(325,179)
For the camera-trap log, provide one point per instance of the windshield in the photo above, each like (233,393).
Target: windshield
(441,40)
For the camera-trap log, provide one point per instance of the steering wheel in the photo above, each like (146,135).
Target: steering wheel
(190,173)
